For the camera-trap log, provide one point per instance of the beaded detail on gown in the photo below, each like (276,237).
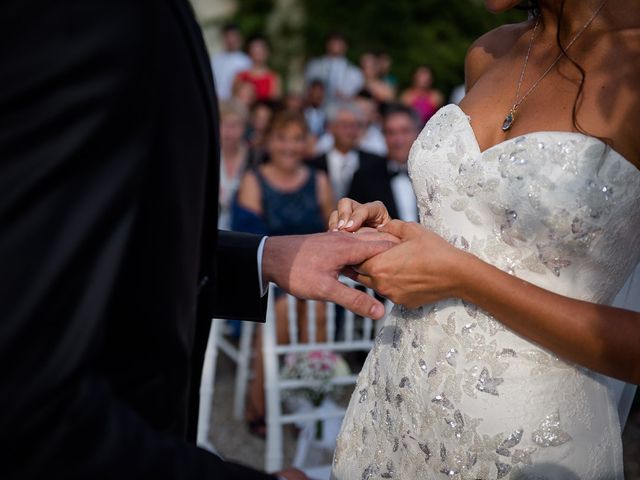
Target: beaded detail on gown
(449,392)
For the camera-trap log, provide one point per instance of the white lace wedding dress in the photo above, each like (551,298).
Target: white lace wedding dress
(449,392)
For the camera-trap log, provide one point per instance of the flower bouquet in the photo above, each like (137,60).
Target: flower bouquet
(320,366)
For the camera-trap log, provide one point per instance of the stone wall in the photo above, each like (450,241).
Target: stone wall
(211,15)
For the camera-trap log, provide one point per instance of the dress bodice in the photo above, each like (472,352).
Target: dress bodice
(559,209)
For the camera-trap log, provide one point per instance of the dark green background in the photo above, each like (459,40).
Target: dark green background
(413,32)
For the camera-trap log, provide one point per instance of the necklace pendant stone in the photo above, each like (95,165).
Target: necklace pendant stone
(508,121)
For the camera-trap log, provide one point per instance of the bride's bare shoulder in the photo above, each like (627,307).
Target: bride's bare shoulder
(490,47)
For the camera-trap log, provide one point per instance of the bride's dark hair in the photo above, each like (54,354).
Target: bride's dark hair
(533,6)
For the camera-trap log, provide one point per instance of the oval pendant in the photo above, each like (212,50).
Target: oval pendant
(508,121)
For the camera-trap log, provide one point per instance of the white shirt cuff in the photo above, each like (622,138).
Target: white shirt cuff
(263,288)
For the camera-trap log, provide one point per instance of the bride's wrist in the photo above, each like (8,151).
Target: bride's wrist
(464,274)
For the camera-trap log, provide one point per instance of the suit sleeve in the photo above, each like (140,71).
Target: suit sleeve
(73,136)
(236,286)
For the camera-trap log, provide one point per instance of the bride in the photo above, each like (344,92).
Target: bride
(497,361)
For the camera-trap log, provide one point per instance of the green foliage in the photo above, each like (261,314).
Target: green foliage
(414,32)
(252,16)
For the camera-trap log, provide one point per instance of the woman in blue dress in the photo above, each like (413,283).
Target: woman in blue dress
(282,197)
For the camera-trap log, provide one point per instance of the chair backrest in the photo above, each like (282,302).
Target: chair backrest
(356,334)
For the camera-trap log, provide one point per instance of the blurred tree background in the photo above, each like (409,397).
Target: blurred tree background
(414,32)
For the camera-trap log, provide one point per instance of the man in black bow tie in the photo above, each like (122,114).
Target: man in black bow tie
(386,179)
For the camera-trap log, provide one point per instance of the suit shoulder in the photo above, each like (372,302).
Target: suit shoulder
(372,158)
(490,47)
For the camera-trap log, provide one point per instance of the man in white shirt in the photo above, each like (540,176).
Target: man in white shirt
(353,172)
(377,178)
(314,112)
(341,78)
(228,63)
(372,139)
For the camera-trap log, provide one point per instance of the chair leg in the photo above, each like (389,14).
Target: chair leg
(303,443)
(242,370)
(207,387)
(274,447)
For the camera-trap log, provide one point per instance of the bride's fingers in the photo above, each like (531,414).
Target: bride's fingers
(365,280)
(346,207)
(373,214)
(354,275)
(333,221)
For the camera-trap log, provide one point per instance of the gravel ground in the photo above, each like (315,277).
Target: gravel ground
(233,441)
(231,437)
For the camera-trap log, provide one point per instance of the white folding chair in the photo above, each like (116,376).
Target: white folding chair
(219,339)
(353,340)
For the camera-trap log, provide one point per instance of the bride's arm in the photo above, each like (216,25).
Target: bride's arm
(425,268)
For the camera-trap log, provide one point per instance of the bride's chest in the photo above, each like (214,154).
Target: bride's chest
(559,194)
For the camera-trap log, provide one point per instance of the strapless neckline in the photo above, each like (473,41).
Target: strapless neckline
(613,151)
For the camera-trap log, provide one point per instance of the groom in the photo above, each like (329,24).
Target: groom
(110,265)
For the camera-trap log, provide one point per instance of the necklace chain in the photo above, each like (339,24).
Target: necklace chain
(510,117)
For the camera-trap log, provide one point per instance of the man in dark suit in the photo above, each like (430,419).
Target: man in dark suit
(108,246)
(354,173)
(400,127)
(387,179)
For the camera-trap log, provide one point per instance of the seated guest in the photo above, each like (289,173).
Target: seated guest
(293,102)
(282,197)
(243,93)
(353,173)
(260,116)
(234,153)
(370,137)
(372,140)
(400,126)
(313,109)
(265,81)
(421,96)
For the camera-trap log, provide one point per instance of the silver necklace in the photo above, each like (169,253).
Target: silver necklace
(510,118)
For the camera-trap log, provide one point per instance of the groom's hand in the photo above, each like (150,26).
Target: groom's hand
(307,266)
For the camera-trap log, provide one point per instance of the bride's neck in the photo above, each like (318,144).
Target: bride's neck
(574,14)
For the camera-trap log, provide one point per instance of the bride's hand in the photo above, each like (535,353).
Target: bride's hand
(424,268)
(351,215)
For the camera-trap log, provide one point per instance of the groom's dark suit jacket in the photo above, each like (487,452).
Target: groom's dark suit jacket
(108,248)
